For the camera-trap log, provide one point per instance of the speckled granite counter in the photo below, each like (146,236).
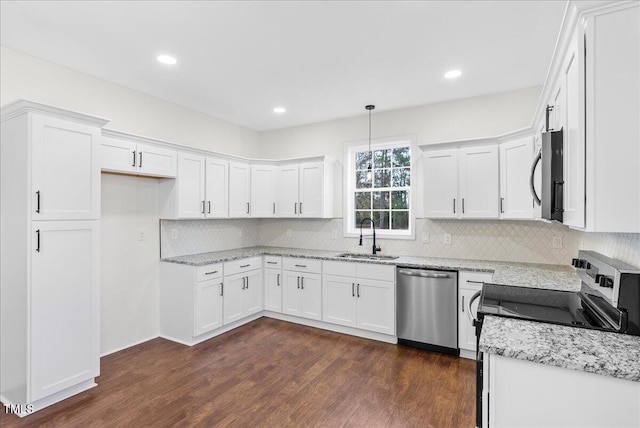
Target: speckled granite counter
(518,274)
(592,351)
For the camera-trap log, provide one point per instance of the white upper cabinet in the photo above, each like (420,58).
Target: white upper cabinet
(190,186)
(199,190)
(461,182)
(303,189)
(478,184)
(239,189)
(263,190)
(130,157)
(216,188)
(441,183)
(65,169)
(311,190)
(516,201)
(612,45)
(287,204)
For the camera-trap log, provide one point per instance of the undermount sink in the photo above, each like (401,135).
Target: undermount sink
(365,256)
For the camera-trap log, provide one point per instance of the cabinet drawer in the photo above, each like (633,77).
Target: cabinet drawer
(376,271)
(473,279)
(272,262)
(207,272)
(302,265)
(339,268)
(242,265)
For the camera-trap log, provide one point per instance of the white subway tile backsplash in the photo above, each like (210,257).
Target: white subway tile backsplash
(517,241)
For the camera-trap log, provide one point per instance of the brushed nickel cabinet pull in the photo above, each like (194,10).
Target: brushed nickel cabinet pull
(462,303)
(304,266)
(502,205)
(244,266)
(298,282)
(353,291)
(274,207)
(302,282)
(209,210)
(462,205)
(222,289)
(358,290)
(134,159)
(300,207)
(202,207)
(247,207)
(278,281)
(38,201)
(211,273)
(295,208)
(38,242)
(140,164)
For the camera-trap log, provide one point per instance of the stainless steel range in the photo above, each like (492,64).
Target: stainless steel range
(609,300)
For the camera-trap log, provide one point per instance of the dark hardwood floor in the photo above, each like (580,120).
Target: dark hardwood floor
(274,374)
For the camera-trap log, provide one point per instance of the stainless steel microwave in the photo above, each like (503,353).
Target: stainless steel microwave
(550,157)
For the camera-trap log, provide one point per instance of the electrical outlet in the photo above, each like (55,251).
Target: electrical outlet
(425,238)
(557,242)
(142,234)
(334,234)
(174,233)
(288,233)
(447,239)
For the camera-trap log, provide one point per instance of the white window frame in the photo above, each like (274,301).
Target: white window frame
(350,149)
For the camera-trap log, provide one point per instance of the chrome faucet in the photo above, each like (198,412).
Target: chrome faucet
(376,248)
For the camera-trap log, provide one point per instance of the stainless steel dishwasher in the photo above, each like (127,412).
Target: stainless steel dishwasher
(427,309)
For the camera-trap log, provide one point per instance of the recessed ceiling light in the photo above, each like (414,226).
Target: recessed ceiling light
(452,74)
(279,110)
(167,59)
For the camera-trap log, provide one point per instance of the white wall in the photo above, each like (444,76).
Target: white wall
(129,267)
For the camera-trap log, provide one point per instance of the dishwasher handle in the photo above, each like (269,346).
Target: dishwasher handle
(423,274)
(472,319)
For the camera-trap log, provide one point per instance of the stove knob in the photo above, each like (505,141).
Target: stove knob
(598,278)
(605,281)
(575,262)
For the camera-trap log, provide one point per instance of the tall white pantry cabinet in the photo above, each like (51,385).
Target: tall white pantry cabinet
(49,259)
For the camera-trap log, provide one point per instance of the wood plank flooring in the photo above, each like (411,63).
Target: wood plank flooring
(271,373)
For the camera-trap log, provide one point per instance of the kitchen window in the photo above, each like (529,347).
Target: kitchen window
(378,186)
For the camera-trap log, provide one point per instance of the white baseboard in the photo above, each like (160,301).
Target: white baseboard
(332,327)
(216,332)
(30,408)
(465,353)
(122,348)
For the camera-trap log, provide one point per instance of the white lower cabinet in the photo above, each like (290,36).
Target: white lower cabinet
(208,306)
(360,295)
(515,392)
(302,288)
(469,283)
(242,289)
(191,301)
(273,284)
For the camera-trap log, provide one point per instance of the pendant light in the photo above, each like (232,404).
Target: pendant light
(369,172)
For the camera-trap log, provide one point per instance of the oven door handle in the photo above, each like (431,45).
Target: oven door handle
(472,319)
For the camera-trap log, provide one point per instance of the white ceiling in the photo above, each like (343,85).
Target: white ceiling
(321,60)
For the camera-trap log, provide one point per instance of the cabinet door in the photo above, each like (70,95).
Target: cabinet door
(515,170)
(479,182)
(376,306)
(311,296)
(156,162)
(65,170)
(217,188)
(208,310)
(287,204)
(118,155)
(273,290)
(190,186)
(573,142)
(65,298)
(466,330)
(239,188)
(252,298)
(311,189)
(233,293)
(339,300)
(263,190)
(441,183)
(291,293)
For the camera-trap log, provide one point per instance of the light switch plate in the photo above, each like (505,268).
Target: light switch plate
(425,238)
(142,234)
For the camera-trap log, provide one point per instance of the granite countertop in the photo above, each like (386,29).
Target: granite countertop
(593,351)
(518,274)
